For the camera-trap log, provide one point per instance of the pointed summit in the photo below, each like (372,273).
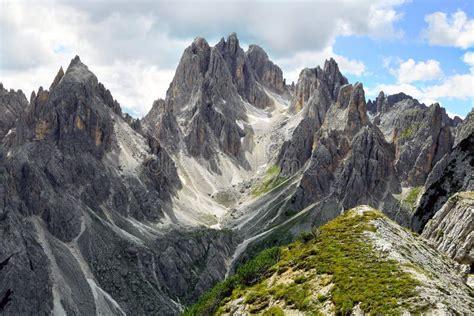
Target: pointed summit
(310,78)
(265,70)
(79,72)
(233,42)
(58,78)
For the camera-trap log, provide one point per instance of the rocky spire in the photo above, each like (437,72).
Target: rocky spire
(73,113)
(330,76)
(58,78)
(352,98)
(334,77)
(242,72)
(266,71)
(12,105)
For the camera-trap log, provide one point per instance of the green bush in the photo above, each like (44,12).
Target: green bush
(304,237)
(247,274)
(253,270)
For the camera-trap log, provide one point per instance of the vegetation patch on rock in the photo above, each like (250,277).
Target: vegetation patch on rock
(270,181)
(333,272)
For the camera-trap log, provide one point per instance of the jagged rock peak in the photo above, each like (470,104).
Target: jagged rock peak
(352,97)
(465,127)
(384,103)
(200,43)
(309,79)
(78,71)
(12,105)
(266,71)
(233,42)
(57,79)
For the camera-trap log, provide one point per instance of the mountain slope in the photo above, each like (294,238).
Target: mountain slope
(86,215)
(361,262)
(450,229)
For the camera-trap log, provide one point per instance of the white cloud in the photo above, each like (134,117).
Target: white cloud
(410,71)
(457,31)
(457,87)
(468,58)
(134,48)
(293,65)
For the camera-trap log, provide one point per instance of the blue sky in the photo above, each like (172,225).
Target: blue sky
(423,48)
(413,44)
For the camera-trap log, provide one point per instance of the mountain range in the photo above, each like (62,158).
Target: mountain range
(102,213)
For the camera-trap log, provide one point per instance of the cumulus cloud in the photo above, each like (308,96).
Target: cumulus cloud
(457,87)
(293,65)
(410,71)
(134,48)
(468,58)
(456,30)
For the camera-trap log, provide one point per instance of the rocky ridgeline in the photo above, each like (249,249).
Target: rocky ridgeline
(452,174)
(208,95)
(12,105)
(422,135)
(359,263)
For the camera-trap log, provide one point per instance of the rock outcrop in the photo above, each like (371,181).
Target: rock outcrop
(421,135)
(266,72)
(243,75)
(464,129)
(316,90)
(451,229)
(310,78)
(452,174)
(12,105)
(351,163)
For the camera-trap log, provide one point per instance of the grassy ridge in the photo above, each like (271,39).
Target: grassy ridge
(338,258)
(247,274)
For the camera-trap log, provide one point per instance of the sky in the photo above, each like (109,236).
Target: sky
(423,48)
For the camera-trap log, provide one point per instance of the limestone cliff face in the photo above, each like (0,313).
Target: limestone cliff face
(73,114)
(242,73)
(266,71)
(351,163)
(309,79)
(316,90)
(451,228)
(464,129)
(421,135)
(452,174)
(12,105)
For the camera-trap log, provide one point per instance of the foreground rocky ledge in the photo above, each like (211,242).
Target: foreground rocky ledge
(361,262)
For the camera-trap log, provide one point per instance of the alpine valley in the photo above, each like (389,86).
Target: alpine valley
(237,194)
